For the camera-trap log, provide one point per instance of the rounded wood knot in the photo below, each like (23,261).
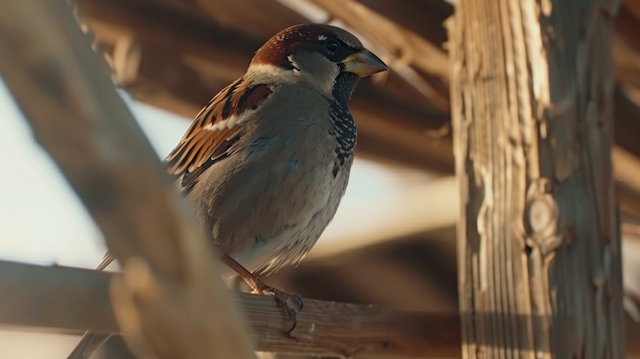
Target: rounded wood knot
(542,221)
(543,213)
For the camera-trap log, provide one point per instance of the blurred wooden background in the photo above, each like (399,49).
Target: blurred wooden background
(177,54)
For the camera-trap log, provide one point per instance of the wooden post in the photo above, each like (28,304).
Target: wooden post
(539,242)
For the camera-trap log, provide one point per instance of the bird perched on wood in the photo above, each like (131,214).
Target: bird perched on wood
(267,161)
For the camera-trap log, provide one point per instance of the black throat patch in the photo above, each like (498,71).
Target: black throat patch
(344,131)
(344,127)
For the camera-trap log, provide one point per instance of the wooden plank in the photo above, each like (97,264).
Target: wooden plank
(632,6)
(249,15)
(77,116)
(176,28)
(627,46)
(78,299)
(539,237)
(425,18)
(75,300)
(627,125)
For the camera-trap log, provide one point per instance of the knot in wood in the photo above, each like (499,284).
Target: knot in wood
(542,219)
(543,214)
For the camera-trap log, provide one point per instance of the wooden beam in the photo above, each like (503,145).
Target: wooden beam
(632,7)
(538,237)
(181,28)
(77,116)
(75,300)
(78,299)
(249,15)
(627,150)
(627,124)
(425,18)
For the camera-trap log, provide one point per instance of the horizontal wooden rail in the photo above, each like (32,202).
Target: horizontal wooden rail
(78,299)
(75,300)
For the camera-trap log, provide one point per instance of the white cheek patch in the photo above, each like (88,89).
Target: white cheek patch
(322,37)
(263,72)
(296,72)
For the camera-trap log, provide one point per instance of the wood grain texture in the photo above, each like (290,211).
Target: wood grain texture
(78,299)
(539,242)
(77,116)
(74,300)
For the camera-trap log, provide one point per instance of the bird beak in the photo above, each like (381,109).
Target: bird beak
(364,63)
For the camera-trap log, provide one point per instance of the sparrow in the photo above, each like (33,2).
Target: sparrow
(266,162)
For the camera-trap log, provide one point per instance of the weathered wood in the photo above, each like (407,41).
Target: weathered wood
(425,18)
(77,116)
(78,299)
(539,242)
(75,300)
(249,15)
(182,29)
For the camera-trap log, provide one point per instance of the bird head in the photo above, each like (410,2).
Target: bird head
(324,57)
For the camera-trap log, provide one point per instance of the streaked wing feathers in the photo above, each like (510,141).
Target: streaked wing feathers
(214,131)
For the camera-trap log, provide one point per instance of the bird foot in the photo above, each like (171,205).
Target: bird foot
(259,287)
(292,302)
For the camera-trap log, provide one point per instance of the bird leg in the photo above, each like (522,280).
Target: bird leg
(260,287)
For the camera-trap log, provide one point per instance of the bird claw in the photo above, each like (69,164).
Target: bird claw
(285,300)
(298,298)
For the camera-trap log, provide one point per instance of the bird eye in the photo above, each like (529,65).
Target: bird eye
(332,46)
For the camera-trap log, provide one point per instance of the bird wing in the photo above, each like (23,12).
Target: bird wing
(214,131)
